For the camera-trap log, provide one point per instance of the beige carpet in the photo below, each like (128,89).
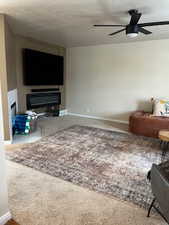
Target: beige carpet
(39,199)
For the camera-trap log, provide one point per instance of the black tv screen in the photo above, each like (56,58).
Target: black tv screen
(41,68)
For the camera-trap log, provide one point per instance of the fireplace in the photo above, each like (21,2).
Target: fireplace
(47,102)
(37,100)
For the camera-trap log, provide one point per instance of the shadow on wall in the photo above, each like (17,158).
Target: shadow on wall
(120,126)
(141,105)
(145,105)
(120,116)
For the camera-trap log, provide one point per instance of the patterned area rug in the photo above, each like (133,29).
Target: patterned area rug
(112,163)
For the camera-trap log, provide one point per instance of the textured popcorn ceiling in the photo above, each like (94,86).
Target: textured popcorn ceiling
(69,22)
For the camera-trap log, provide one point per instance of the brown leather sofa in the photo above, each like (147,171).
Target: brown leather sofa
(143,123)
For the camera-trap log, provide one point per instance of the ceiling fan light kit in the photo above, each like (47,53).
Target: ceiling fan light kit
(134,28)
(132,35)
(132,31)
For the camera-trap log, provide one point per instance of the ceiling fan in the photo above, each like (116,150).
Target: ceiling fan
(133,28)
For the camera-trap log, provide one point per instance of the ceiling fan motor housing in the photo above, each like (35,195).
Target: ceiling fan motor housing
(132,29)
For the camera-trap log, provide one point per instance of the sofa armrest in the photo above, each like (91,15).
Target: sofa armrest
(143,123)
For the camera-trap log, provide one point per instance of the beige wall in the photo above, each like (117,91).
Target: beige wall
(21,43)
(3,188)
(10,58)
(3,79)
(13,74)
(111,81)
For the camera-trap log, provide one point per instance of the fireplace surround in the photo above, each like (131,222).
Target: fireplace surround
(12,109)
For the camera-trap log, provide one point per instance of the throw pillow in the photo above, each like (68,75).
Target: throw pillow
(161,107)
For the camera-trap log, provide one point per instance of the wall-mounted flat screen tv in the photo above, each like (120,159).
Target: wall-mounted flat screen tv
(41,68)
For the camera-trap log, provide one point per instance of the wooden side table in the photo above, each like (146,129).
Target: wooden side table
(164,137)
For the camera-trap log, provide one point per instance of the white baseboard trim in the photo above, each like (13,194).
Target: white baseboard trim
(63,112)
(98,118)
(7,142)
(5,218)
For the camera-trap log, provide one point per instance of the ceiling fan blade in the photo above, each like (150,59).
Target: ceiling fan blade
(144,31)
(153,24)
(117,32)
(109,25)
(135,18)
